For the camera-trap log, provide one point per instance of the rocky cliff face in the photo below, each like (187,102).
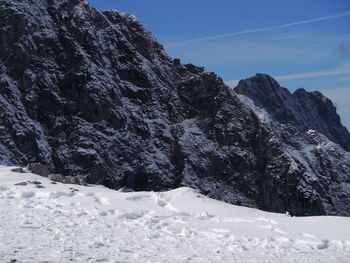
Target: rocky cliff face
(305,110)
(92,93)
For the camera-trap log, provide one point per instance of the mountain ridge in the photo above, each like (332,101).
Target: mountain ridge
(305,110)
(92,93)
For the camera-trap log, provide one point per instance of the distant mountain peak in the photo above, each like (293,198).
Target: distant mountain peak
(306,110)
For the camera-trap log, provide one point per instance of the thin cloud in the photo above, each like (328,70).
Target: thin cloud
(259,29)
(333,72)
(313,74)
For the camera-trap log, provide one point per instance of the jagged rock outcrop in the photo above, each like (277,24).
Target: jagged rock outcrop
(305,110)
(92,93)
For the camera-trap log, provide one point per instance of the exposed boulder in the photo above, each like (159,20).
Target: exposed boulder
(56,177)
(34,182)
(38,168)
(18,170)
(22,183)
(67,179)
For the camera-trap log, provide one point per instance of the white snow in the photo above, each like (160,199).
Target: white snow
(72,223)
(261,113)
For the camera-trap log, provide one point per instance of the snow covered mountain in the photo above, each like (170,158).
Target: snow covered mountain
(73,223)
(92,93)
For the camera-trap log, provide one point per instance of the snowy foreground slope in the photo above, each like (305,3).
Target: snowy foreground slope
(71,223)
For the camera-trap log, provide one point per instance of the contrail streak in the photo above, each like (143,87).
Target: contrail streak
(259,29)
(313,74)
(334,72)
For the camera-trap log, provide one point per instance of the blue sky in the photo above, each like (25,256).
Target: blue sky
(315,56)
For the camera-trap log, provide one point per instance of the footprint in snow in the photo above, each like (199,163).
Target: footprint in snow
(103,213)
(323,245)
(3,188)
(10,195)
(82,214)
(56,195)
(30,227)
(98,244)
(29,224)
(26,222)
(102,260)
(153,235)
(113,211)
(28,194)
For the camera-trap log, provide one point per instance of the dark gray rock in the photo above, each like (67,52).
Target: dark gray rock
(92,94)
(67,179)
(305,110)
(34,182)
(21,184)
(56,177)
(18,170)
(38,168)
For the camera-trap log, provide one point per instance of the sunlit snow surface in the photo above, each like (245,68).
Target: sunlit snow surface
(96,224)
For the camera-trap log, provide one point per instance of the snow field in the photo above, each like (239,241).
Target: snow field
(72,223)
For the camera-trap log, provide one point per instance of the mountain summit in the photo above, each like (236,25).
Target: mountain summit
(305,110)
(92,93)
